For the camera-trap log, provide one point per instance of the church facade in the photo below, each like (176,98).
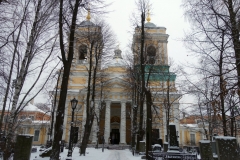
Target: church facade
(114,108)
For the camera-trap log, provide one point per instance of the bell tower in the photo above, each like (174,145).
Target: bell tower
(88,42)
(158,78)
(155,47)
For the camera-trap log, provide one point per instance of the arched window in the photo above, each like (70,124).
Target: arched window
(82,52)
(151,53)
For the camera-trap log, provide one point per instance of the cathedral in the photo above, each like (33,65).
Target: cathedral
(114,108)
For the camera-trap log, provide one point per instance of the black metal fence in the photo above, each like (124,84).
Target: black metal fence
(172,156)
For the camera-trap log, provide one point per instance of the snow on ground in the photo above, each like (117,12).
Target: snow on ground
(93,154)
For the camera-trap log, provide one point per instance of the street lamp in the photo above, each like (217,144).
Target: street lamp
(74,105)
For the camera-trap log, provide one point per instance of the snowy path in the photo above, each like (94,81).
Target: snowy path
(93,154)
(117,155)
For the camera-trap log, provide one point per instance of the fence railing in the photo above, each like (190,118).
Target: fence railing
(169,156)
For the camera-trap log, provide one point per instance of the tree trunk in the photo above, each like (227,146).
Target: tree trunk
(54,105)
(60,113)
(149,123)
(235,38)
(142,72)
(64,86)
(89,114)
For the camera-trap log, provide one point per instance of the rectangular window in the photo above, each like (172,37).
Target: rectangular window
(36,135)
(5,118)
(192,139)
(238,124)
(155,136)
(32,118)
(23,117)
(198,121)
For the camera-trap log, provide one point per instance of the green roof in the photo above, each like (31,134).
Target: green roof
(157,72)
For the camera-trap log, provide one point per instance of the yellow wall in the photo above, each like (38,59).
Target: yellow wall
(79,80)
(186,141)
(42,135)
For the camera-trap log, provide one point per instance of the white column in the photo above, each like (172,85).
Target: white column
(183,137)
(164,124)
(165,53)
(123,123)
(107,121)
(95,126)
(65,120)
(83,118)
(144,118)
(54,121)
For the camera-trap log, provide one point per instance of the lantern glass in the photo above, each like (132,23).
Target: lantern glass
(74,103)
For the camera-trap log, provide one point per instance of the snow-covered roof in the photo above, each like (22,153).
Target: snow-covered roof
(156,145)
(224,137)
(35,122)
(204,141)
(29,135)
(32,108)
(189,125)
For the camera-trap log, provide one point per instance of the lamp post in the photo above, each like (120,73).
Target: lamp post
(74,105)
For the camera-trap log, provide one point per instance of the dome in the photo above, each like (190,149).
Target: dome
(117,54)
(150,25)
(117,63)
(87,23)
(117,60)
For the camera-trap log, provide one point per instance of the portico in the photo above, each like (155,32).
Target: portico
(115,122)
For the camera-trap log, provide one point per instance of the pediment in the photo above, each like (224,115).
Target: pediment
(117,83)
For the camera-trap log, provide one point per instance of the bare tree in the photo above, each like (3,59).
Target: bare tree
(24,41)
(140,72)
(215,36)
(100,39)
(66,9)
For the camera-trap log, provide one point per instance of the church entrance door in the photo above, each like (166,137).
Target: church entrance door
(115,136)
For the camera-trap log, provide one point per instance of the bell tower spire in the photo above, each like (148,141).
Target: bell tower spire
(148,15)
(88,17)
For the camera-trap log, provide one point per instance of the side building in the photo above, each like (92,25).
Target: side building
(31,120)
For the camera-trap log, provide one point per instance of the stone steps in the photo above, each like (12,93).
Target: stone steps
(118,147)
(110,146)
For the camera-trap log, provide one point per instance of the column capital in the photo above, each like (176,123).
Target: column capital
(123,102)
(108,102)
